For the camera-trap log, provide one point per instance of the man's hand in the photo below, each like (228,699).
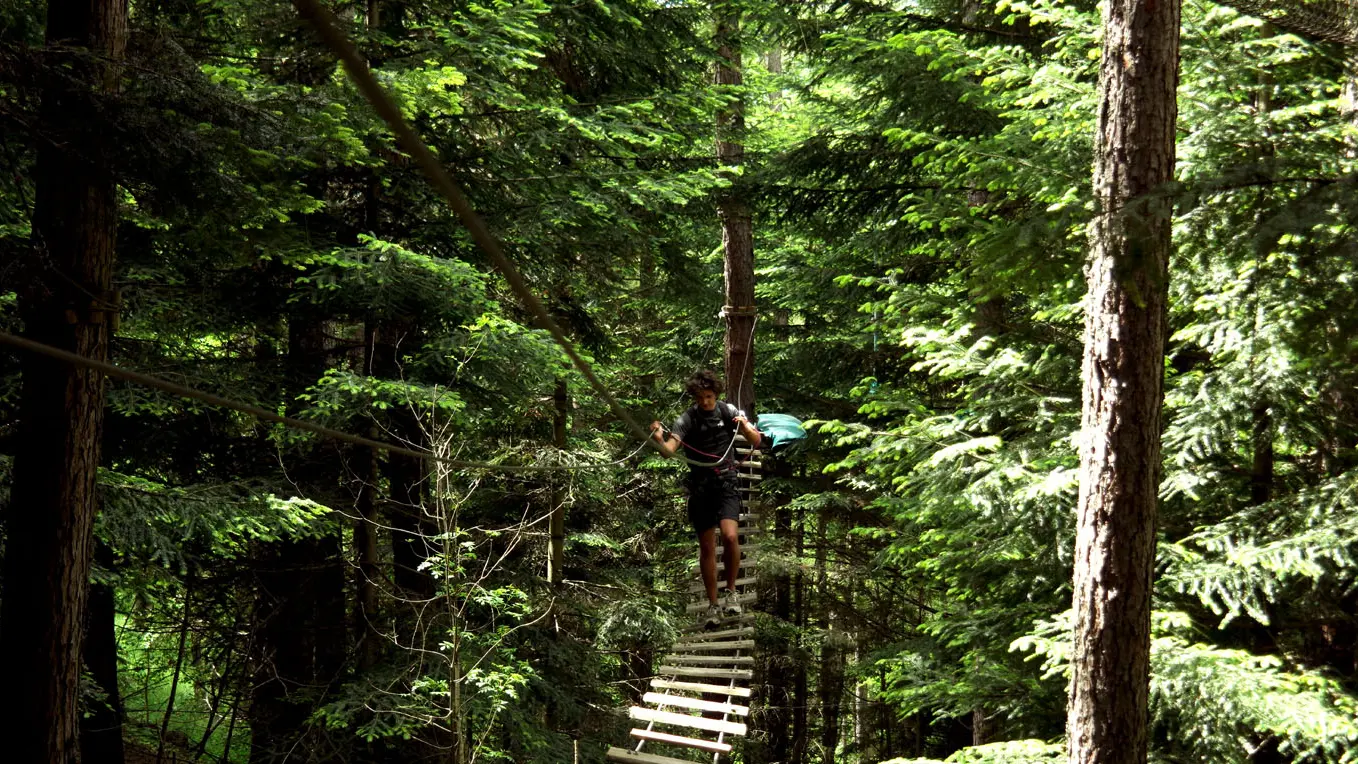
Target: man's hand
(750,432)
(667,449)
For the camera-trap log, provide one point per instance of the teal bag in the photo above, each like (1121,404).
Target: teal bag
(780,431)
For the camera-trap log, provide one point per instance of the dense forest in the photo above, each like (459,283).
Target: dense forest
(1065,293)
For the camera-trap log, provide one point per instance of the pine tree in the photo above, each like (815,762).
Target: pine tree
(67,302)
(1124,341)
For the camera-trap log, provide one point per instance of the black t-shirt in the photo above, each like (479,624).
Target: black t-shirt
(707,435)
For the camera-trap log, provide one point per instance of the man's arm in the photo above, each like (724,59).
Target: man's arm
(669,447)
(748,430)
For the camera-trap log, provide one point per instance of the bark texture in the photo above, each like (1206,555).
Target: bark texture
(300,606)
(556,544)
(775,669)
(737,228)
(65,301)
(1123,372)
(101,733)
(369,574)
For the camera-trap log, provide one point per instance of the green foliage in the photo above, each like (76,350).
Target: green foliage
(1009,752)
(179,527)
(919,176)
(948,191)
(637,624)
(1219,704)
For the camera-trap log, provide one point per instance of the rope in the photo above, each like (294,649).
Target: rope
(720,460)
(216,400)
(749,359)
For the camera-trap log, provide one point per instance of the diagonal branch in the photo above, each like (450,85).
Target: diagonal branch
(1333,21)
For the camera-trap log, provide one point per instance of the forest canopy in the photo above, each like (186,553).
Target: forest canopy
(199,192)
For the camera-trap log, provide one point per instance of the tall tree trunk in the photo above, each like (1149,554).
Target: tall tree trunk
(101,728)
(773,703)
(801,696)
(1123,369)
(831,688)
(737,231)
(556,544)
(1261,470)
(300,605)
(185,620)
(367,633)
(65,303)
(411,527)
(831,680)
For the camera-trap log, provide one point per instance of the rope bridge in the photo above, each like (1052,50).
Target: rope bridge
(703,685)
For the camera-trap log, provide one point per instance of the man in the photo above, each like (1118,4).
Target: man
(706,432)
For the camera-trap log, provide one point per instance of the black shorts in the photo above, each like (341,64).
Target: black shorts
(711,499)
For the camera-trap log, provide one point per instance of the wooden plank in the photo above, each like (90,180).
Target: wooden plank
(744,599)
(686,720)
(697,587)
(683,701)
(745,550)
(627,754)
(704,671)
(746,617)
(714,689)
(690,742)
(746,565)
(746,631)
(714,646)
(709,660)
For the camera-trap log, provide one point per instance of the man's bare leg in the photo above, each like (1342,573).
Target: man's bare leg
(707,562)
(731,536)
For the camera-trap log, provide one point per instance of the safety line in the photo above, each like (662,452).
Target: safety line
(749,359)
(163,385)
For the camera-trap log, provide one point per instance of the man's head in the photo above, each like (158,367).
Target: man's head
(704,386)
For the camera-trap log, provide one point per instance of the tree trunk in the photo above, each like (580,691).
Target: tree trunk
(300,605)
(831,687)
(772,712)
(801,696)
(409,526)
(367,633)
(982,727)
(178,668)
(406,476)
(65,302)
(556,546)
(101,731)
(1261,470)
(637,670)
(1123,370)
(737,234)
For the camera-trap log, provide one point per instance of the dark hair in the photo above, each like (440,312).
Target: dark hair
(703,380)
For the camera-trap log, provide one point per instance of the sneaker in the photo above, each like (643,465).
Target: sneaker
(713,616)
(732,605)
